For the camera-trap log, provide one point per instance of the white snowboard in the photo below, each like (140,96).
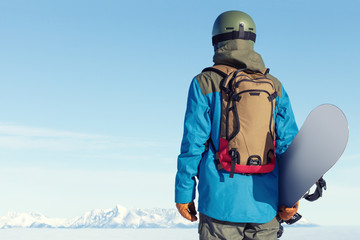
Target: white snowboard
(316,148)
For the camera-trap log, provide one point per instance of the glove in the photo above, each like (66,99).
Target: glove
(286,213)
(187,210)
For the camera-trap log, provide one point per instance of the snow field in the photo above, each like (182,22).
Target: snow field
(291,233)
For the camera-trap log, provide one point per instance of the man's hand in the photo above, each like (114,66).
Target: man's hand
(287,213)
(187,210)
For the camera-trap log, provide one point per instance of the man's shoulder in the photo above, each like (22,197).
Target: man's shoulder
(209,82)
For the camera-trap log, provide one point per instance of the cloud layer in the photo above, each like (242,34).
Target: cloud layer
(23,137)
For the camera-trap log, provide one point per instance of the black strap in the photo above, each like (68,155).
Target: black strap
(232,171)
(247,35)
(235,158)
(292,220)
(207,147)
(232,108)
(271,98)
(320,185)
(281,231)
(209,142)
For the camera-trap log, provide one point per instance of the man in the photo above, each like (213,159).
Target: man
(232,205)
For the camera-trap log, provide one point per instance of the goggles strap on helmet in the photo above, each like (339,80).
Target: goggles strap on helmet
(246,35)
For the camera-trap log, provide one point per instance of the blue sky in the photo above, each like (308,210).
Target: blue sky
(93,95)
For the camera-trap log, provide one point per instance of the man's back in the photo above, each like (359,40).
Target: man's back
(242,198)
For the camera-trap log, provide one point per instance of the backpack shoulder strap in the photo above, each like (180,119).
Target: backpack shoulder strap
(276,82)
(222,70)
(211,78)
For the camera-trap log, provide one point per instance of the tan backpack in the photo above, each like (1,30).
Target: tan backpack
(247,128)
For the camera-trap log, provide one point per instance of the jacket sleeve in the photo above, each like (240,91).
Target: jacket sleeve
(286,128)
(197,127)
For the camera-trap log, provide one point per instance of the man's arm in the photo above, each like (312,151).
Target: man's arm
(197,129)
(286,127)
(286,130)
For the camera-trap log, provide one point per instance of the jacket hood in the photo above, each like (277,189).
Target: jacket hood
(238,53)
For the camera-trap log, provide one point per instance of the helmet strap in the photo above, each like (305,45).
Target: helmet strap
(241,34)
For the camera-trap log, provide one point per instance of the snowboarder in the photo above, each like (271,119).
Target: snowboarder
(232,204)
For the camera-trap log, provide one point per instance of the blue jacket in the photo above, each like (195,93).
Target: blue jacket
(243,198)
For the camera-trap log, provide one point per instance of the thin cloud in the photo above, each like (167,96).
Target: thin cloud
(14,136)
(25,131)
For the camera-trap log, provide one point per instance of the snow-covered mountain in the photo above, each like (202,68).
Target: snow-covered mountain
(119,217)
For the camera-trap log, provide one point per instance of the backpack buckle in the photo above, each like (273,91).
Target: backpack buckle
(235,158)
(272,96)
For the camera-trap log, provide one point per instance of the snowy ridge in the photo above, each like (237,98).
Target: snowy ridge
(118,217)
